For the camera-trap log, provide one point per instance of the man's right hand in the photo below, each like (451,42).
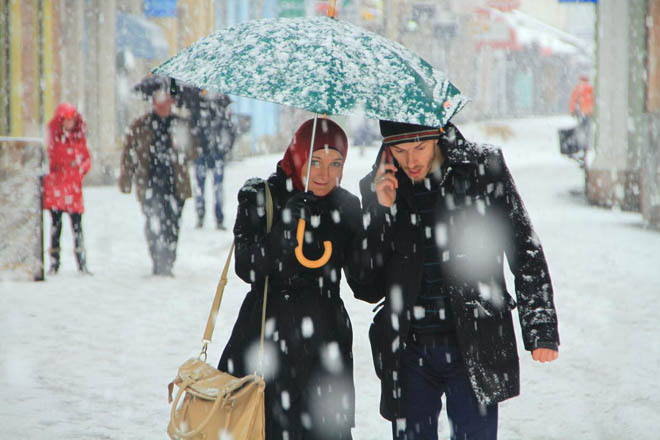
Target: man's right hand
(385,183)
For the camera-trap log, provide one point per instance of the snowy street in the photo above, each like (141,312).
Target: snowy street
(90,357)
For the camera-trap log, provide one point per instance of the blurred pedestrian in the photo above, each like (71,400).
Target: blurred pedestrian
(582,106)
(582,98)
(157,149)
(443,212)
(211,119)
(69,162)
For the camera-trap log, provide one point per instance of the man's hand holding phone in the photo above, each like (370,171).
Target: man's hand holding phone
(385,183)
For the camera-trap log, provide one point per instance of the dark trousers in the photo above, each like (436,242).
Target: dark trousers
(163,214)
(428,372)
(56,232)
(217,166)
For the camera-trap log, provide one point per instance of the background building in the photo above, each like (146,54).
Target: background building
(513,58)
(89,53)
(625,168)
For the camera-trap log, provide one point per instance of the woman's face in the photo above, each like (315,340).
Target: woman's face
(326,172)
(68,124)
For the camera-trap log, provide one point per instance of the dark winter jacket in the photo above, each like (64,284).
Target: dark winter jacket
(484,219)
(213,127)
(308,332)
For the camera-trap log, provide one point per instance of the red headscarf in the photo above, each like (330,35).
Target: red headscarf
(62,112)
(328,134)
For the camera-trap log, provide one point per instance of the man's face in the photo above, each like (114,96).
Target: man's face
(416,158)
(162,103)
(326,172)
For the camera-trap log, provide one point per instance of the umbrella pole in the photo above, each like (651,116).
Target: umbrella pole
(311,150)
(300,230)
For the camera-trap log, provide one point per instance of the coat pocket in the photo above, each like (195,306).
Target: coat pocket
(491,341)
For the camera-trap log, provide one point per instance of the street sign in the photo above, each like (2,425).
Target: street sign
(159,8)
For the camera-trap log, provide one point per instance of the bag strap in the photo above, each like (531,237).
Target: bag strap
(213,314)
(269,224)
(175,421)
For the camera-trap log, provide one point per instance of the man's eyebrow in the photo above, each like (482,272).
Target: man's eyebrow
(399,148)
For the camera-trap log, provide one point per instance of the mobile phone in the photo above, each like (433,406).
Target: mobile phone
(388,155)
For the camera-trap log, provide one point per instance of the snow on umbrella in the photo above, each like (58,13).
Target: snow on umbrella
(321,65)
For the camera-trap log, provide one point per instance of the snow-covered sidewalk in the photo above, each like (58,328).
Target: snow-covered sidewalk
(90,357)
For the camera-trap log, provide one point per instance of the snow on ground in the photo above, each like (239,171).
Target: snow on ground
(90,357)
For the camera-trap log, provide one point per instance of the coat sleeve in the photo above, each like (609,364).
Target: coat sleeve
(128,160)
(50,152)
(372,246)
(357,265)
(194,148)
(85,159)
(253,260)
(534,293)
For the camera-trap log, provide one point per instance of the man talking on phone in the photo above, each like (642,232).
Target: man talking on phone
(441,214)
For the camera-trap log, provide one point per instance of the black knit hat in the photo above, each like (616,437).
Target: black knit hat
(399,132)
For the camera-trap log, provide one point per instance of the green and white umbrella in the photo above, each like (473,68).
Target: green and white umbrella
(322,65)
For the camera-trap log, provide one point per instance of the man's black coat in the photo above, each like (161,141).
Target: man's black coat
(483,219)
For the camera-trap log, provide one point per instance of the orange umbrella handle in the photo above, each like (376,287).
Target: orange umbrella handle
(312,264)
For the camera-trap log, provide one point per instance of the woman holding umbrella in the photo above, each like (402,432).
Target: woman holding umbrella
(308,362)
(69,162)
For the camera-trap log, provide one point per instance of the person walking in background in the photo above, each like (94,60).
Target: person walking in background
(581,106)
(69,162)
(155,155)
(582,98)
(215,132)
(442,214)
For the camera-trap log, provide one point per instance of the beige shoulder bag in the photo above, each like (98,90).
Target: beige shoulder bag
(216,404)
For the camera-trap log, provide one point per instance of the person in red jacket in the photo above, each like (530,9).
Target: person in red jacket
(582,98)
(69,162)
(582,107)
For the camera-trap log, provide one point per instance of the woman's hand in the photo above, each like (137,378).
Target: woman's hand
(385,183)
(301,205)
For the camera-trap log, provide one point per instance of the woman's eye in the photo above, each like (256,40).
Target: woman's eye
(316,163)
(336,164)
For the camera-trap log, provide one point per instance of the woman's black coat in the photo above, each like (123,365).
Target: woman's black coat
(482,218)
(309,361)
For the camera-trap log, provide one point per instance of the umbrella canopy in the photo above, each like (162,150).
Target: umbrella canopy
(150,84)
(321,65)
